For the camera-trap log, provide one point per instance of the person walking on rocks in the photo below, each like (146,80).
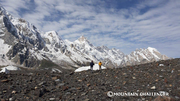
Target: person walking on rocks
(100,63)
(91,65)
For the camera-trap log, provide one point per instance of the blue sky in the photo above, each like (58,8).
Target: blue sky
(122,24)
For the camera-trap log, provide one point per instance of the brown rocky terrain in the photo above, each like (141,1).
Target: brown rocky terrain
(145,82)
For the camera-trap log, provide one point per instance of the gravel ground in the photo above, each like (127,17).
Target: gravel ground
(147,82)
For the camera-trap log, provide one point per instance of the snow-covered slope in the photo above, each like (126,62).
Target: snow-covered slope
(23,44)
(3,49)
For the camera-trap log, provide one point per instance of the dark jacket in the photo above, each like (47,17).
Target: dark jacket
(91,64)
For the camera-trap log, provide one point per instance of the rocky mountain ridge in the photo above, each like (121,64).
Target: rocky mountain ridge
(23,44)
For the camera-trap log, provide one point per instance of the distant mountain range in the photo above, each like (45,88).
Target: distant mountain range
(21,43)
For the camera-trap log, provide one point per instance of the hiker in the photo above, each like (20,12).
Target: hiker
(91,65)
(3,56)
(100,63)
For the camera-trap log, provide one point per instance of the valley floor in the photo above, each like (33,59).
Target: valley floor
(141,82)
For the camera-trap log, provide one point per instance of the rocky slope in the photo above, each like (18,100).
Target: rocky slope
(21,43)
(161,77)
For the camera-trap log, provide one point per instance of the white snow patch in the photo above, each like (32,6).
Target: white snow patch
(9,68)
(5,62)
(4,70)
(95,67)
(56,70)
(4,48)
(161,64)
(12,68)
(68,42)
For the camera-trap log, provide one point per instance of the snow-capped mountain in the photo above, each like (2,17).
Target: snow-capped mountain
(23,44)
(140,56)
(20,40)
(60,52)
(109,57)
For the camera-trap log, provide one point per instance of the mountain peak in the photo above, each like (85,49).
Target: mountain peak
(82,38)
(4,12)
(52,33)
(53,37)
(2,8)
(152,49)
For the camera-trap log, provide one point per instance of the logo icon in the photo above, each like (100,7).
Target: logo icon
(110,94)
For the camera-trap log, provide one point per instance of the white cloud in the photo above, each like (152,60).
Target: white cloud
(14,6)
